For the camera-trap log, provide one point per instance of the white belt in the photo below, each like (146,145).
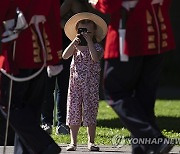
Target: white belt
(129,4)
(157,1)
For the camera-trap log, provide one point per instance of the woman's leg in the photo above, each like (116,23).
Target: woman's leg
(91,130)
(74,132)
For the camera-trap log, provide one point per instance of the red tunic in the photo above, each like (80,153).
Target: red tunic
(148,29)
(4,7)
(28,48)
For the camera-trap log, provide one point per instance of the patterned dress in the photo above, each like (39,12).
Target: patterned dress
(83,92)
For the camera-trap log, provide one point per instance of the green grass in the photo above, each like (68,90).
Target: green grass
(109,125)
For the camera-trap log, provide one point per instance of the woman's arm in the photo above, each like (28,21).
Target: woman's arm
(95,55)
(69,51)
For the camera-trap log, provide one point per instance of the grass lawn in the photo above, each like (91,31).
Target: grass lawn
(108,125)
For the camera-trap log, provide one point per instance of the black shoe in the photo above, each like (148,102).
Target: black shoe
(163,148)
(62,129)
(52,149)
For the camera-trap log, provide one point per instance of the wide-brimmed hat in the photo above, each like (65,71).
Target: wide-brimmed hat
(70,26)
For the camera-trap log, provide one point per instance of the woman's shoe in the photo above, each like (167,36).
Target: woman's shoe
(71,147)
(93,147)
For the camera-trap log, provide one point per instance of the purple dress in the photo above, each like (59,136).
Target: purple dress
(83,92)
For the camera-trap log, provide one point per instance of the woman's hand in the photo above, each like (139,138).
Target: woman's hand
(69,51)
(87,36)
(76,41)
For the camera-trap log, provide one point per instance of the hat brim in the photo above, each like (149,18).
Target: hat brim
(70,26)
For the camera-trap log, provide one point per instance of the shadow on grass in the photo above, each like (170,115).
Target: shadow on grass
(110,123)
(168,93)
(168,123)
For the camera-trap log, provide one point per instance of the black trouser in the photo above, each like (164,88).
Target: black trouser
(131,89)
(4,89)
(63,84)
(62,89)
(27,98)
(48,102)
(10,140)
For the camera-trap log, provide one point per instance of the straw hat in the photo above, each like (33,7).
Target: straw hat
(70,26)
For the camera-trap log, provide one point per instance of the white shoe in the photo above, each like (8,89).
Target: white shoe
(71,147)
(92,147)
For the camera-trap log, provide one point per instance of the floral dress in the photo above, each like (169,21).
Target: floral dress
(83,92)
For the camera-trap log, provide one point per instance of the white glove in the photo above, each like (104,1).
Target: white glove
(54,70)
(94,2)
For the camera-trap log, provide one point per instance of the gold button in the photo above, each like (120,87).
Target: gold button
(148,17)
(151,46)
(164,36)
(163,26)
(151,38)
(164,44)
(37,59)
